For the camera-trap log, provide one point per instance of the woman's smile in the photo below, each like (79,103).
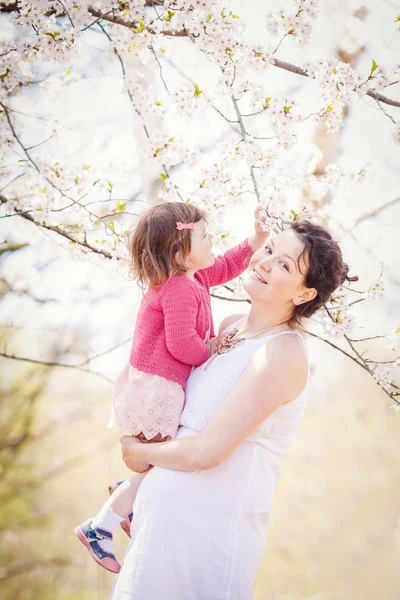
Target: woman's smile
(259,277)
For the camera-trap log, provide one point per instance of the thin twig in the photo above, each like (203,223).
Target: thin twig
(160,68)
(54,364)
(385,112)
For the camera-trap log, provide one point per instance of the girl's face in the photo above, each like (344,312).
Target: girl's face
(200,255)
(276,272)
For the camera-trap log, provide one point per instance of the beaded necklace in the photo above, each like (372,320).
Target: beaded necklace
(229,341)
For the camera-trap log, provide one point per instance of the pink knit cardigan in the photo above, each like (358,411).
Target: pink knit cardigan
(174,320)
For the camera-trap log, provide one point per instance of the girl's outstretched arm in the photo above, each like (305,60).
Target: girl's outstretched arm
(235,261)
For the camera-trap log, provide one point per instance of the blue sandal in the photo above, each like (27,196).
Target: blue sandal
(91,538)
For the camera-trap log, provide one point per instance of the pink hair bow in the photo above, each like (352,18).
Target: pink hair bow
(181,226)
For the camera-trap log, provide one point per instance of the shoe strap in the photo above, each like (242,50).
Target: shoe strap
(103,534)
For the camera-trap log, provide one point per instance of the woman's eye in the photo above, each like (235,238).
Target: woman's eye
(284,265)
(268,249)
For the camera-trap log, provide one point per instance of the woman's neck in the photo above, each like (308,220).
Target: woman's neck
(260,318)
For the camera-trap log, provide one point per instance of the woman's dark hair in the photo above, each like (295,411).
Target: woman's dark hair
(326,270)
(158,249)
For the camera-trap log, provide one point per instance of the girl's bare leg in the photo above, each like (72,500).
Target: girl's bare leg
(122,499)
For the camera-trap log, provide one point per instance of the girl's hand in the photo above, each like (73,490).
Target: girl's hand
(260,236)
(130,446)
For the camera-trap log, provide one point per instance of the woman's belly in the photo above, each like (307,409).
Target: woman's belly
(245,481)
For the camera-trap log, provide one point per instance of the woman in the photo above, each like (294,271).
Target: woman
(198,531)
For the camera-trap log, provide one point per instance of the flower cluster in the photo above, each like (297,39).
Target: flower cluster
(337,84)
(143,96)
(376,291)
(384,376)
(298,22)
(283,117)
(188,101)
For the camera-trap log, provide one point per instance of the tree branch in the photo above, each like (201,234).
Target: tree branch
(56,229)
(376,211)
(54,364)
(280,64)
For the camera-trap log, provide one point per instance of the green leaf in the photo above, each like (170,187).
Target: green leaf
(42,190)
(373,68)
(286,109)
(169,16)
(141,28)
(52,35)
(163,177)
(171,140)
(121,205)
(224,235)
(267,101)
(295,214)
(197,90)
(4,75)
(397,19)
(329,108)
(85,167)
(158,150)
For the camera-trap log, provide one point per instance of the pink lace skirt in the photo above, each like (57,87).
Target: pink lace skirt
(146,403)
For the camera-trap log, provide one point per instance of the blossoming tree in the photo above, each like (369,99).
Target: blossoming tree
(146,39)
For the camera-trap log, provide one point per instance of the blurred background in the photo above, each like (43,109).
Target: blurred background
(334,533)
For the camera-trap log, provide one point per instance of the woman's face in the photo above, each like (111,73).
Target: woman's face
(276,272)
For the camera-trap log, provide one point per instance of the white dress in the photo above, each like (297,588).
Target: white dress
(201,535)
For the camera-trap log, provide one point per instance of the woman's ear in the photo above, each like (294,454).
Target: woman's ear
(306,295)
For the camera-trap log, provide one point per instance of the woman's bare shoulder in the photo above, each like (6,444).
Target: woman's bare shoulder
(229,320)
(283,363)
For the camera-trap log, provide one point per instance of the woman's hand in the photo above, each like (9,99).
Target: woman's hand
(260,234)
(130,445)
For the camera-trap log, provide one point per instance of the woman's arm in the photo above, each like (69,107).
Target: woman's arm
(275,375)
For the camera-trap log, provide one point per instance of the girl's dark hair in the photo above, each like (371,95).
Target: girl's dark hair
(158,249)
(326,270)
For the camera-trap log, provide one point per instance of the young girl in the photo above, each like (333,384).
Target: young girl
(173,261)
